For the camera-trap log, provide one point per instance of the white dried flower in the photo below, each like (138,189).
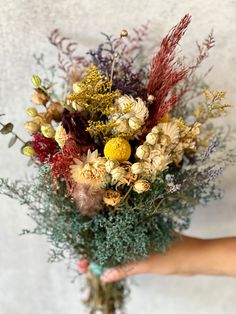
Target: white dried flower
(111,164)
(171,129)
(122,125)
(143,151)
(151,138)
(160,162)
(137,168)
(135,123)
(116,174)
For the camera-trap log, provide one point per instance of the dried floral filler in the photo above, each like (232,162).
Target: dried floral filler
(123,156)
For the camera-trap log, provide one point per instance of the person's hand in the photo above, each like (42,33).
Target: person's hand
(187,256)
(174,262)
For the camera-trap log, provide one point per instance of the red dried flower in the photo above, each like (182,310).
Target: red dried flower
(62,161)
(44,147)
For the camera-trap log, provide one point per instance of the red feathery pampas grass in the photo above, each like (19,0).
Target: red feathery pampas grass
(166,72)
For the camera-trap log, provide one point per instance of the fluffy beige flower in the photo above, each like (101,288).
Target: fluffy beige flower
(91,170)
(88,198)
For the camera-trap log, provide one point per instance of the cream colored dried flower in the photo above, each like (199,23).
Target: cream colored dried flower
(135,123)
(61,136)
(116,174)
(160,162)
(129,115)
(91,170)
(143,151)
(111,164)
(127,179)
(111,197)
(122,125)
(171,129)
(151,138)
(141,186)
(137,168)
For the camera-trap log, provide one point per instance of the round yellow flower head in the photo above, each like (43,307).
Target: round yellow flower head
(117,148)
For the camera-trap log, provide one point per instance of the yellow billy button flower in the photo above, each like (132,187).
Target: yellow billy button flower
(47,130)
(111,197)
(117,148)
(28,151)
(141,186)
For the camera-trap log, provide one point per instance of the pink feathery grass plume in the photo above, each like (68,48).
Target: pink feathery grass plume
(166,72)
(88,198)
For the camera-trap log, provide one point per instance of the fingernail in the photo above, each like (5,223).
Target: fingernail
(109,275)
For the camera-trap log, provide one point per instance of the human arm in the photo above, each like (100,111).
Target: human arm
(187,256)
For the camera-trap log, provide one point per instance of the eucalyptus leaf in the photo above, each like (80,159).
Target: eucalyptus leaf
(7,128)
(12,141)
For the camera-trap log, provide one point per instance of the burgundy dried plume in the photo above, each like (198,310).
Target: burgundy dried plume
(76,125)
(166,73)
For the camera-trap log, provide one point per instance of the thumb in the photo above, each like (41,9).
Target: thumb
(121,272)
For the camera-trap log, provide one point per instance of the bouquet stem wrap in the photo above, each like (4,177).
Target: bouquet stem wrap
(104,298)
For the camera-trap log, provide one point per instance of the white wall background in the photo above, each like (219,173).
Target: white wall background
(28,284)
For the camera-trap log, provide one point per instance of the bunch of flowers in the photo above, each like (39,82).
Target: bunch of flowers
(123,157)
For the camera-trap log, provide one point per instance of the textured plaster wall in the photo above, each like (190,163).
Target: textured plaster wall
(28,284)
